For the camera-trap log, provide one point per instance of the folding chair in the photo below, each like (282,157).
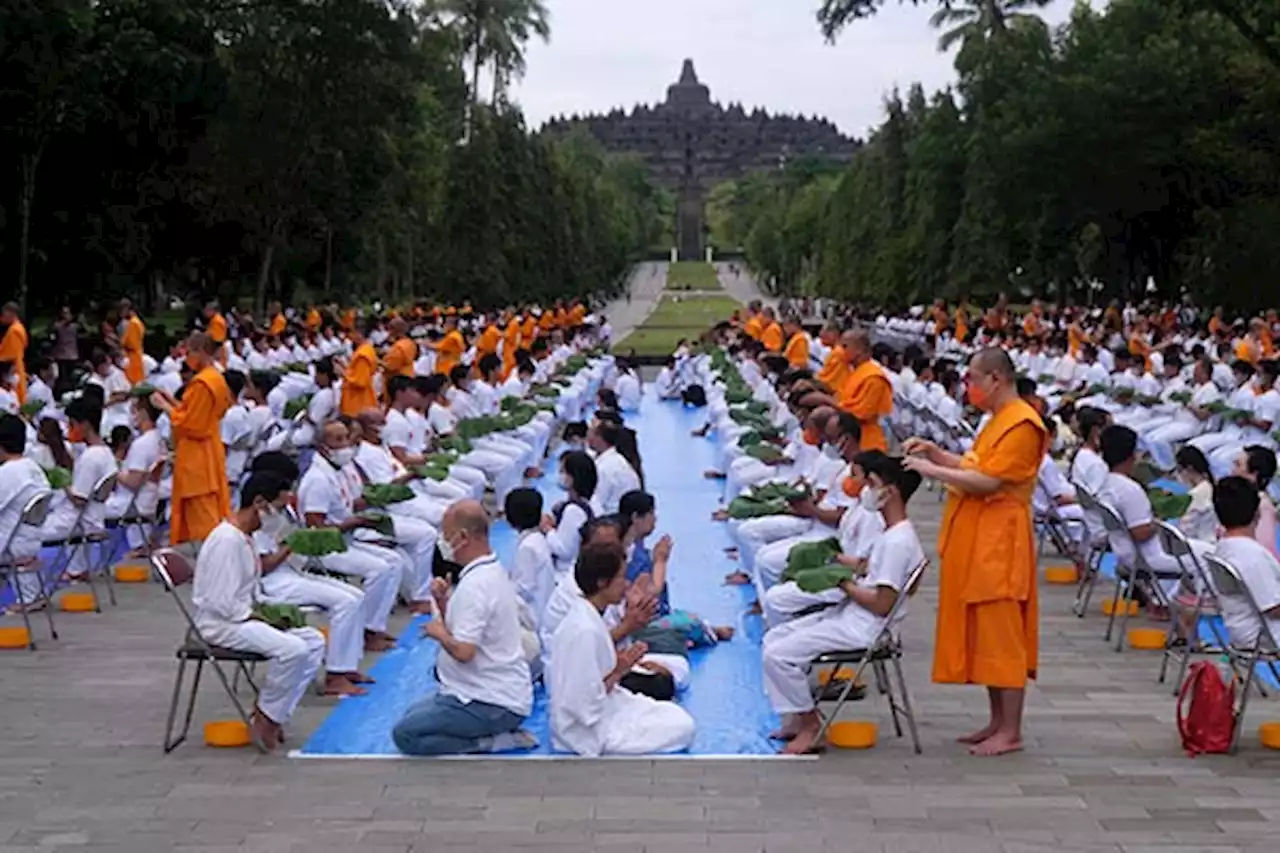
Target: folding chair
(135,517)
(1139,573)
(887,648)
(1096,550)
(176,571)
(33,514)
(1176,545)
(81,539)
(1229,584)
(1050,525)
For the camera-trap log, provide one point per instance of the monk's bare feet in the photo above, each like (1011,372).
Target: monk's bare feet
(358,678)
(998,744)
(737,579)
(980,735)
(712,474)
(724,633)
(337,684)
(418,608)
(720,515)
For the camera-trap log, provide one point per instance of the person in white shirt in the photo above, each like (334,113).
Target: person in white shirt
(615,475)
(563,527)
(327,498)
(21,479)
(138,483)
(285,581)
(322,406)
(1229,435)
(44,373)
(1264,415)
(485,691)
(591,713)
(856,622)
(115,391)
(533,571)
(237,428)
(228,574)
(1236,502)
(627,387)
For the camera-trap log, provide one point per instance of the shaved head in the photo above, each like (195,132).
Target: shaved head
(371,418)
(994,361)
(857,344)
(469,517)
(201,342)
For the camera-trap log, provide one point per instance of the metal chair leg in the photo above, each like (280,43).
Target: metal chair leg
(907,710)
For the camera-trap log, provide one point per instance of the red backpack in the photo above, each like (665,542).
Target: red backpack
(1209,722)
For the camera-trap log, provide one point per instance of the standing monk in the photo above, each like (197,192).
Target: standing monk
(357,382)
(131,342)
(510,343)
(487,343)
(201,494)
(401,356)
(13,347)
(450,348)
(216,328)
(988,627)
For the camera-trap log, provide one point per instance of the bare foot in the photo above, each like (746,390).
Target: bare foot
(737,578)
(755,609)
(787,731)
(980,735)
(358,678)
(805,742)
(724,633)
(720,515)
(420,607)
(997,744)
(377,642)
(266,732)
(336,684)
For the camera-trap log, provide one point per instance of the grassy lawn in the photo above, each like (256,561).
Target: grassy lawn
(692,275)
(675,318)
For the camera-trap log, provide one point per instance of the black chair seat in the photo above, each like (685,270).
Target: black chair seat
(854,655)
(195,650)
(76,540)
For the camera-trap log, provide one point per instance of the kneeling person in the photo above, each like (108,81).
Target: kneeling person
(591,714)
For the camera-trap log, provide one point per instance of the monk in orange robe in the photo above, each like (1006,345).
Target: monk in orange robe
(797,349)
(865,392)
(528,330)
(450,348)
(201,494)
(216,328)
(962,321)
(577,314)
(940,321)
(313,319)
(510,343)
(1215,322)
(13,348)
(487,343)
(357,382)
(755,324)
(278,322)
(401,355)
(771,336)
(988,624)
(835,370)
(131,342)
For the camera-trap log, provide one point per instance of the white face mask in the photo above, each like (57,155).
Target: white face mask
(342,456)
(872,498)
(447,550)
(566,482)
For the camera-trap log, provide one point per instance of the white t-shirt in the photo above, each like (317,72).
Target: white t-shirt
(892,558)
(376,463)
(1261,574)
(1129,499)
(482,611)
(397,432)
(92,465)
(327,491)
(441,420)
(20,480)
(144,452)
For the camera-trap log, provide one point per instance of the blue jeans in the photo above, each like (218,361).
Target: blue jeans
(444,725)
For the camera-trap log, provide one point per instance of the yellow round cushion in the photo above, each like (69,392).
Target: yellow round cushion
(1109,605)
(1147,638)
(14,637)
(1061,575)
(227,733)
(77,602)
(1269,735)
(853,734)
(132,573)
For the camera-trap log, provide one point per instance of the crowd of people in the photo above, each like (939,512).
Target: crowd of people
(246,434)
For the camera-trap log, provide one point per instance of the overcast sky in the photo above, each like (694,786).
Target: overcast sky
(768,53)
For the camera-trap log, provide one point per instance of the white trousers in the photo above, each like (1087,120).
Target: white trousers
(380,568)
(423,508)
(783,601)
(771,560)
(295,656)
(790,647)
(498,470)
(343,603)
(747,471)
(417,541)
(754,534)
(638,725)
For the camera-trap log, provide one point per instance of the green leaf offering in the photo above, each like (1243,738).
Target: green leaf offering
(734,396)
(1237,416)
(1146,473)
(811,555)
(1180,397)
(1095,389)
(434,471)
(822,578)
(743,507)
(766,453)
(1217,407)
(59,478)
(779,491)
(316,541)
(1144,400)
(386,494)
(142,390)
(1046,379)
(31,408)
(295,367)
(1166,505)
(296,405)
(381,523)
(281,616)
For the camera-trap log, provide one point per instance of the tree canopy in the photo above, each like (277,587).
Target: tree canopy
(260,149)
(1135,144)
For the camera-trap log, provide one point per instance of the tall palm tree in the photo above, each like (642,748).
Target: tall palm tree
(976,21)
(495,32)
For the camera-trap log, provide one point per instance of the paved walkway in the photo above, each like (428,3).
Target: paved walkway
(648,281)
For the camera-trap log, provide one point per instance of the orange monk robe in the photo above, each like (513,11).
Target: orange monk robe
(988,622)
(487,343)
(1268,345)
(1031,325)
(398,362)
(754,327)
(1075,339)
(547,321)
(940,323)
(201,495)
(1215,326)
(962,325)
(1247,350)
(562,319)
(13,349)
(450,351)
(313,320)
(349,319)
(577,314)
(1139,348)
(835,370)
(772,338)
(218,333)
(277,325)
(529,330)
(357,383)
(131,345)
(510,344)
(797,351)
(868,396)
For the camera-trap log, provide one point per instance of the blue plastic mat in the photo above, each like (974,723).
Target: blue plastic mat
(726,694)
